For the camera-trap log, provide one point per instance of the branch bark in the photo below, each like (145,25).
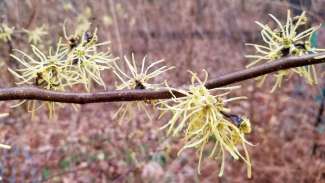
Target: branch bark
(33,93)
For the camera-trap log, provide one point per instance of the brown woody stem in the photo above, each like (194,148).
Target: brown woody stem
(33,93)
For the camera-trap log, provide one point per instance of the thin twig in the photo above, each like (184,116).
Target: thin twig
(33,93)
(320,112)
(319,120)
(116,27)
(34,14)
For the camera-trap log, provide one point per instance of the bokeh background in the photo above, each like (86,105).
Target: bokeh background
(89,146)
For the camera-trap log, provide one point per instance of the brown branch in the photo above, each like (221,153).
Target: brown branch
(33,93)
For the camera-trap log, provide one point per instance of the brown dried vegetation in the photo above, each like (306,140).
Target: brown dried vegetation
(89,146)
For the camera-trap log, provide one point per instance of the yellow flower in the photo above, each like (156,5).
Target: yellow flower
(286,40)
(90,62)
(203,118)
(4,146)
(83,23)
(83,56)
(35,36)
(137,78)
(67,6)
(76,62)
(45,71)
(107,20)
(6,32)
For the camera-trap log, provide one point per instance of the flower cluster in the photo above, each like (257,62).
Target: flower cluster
(137,78)
(83,23)
(290,39)
(83,55)
(69,64)
(6,32)
(203,118)
(35,36)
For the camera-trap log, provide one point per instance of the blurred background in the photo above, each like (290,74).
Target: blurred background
(89,146)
